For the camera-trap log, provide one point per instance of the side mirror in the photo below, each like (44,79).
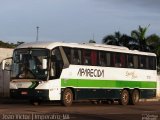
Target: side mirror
(6,64)
(44,63)
(3,64)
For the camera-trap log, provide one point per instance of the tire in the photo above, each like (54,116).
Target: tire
(67,97)
(124,100)
(134,98)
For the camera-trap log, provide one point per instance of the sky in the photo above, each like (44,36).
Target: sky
(75,20)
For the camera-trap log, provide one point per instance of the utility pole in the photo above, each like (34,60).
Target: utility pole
(37,33)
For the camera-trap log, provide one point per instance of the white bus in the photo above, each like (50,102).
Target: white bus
(67,72)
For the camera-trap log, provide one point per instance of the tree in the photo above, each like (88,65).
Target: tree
(119,40)
(152,41)
(92,41)
(137,41)
(6,45)
(9,45)
(154,44)
(140,37)
(19,43)
(128,42)
(113,39)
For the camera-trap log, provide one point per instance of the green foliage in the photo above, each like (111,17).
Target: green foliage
(92,41)
(119,39)
(136,41)
(9,45)
(114,39)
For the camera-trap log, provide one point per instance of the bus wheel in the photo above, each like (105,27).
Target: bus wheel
(67,98)
(124,100)
(134,99)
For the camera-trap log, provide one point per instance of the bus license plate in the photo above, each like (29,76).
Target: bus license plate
(24,93)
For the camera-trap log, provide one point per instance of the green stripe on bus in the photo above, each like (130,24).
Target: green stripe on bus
(107,83)
(33,84)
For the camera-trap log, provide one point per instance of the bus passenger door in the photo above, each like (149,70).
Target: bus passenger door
(56,64)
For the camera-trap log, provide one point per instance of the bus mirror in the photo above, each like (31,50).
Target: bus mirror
(6,64)
(44,64)
(3,64)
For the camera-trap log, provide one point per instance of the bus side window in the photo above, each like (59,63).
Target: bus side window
(152,63)
(112,59)
(102,58)
(68,53)
(123,60)
(93,58)
(117,59)
(86,57)
(75,56)
(135,61)
(142,62)
(130,61)
(147,62)
(108,58)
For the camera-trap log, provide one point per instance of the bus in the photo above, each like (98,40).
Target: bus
(67,72)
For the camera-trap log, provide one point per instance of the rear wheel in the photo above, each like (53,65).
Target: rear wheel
(67,97)
(124,100)
(134,99)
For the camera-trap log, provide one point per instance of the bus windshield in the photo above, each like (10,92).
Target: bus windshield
(30,64)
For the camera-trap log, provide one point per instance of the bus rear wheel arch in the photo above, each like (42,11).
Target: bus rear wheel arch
(67,97)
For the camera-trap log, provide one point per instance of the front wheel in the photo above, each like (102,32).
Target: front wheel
(124,100)
(67,97)
(134,99)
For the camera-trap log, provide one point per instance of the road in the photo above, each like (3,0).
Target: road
(79,111)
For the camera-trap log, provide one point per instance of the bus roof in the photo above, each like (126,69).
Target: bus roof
(51,45)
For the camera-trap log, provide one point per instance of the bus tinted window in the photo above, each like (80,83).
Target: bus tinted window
(86,57)
(135,61)
(108,56)
(112,59)
(119,60)
(75,56)
(93,58)
(109,59)
(130,62)
(142,62)
(68,53)
(89,57)
(102,58)
(152,63)
(123,60)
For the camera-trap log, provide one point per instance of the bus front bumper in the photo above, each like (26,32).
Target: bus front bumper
(30,94)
